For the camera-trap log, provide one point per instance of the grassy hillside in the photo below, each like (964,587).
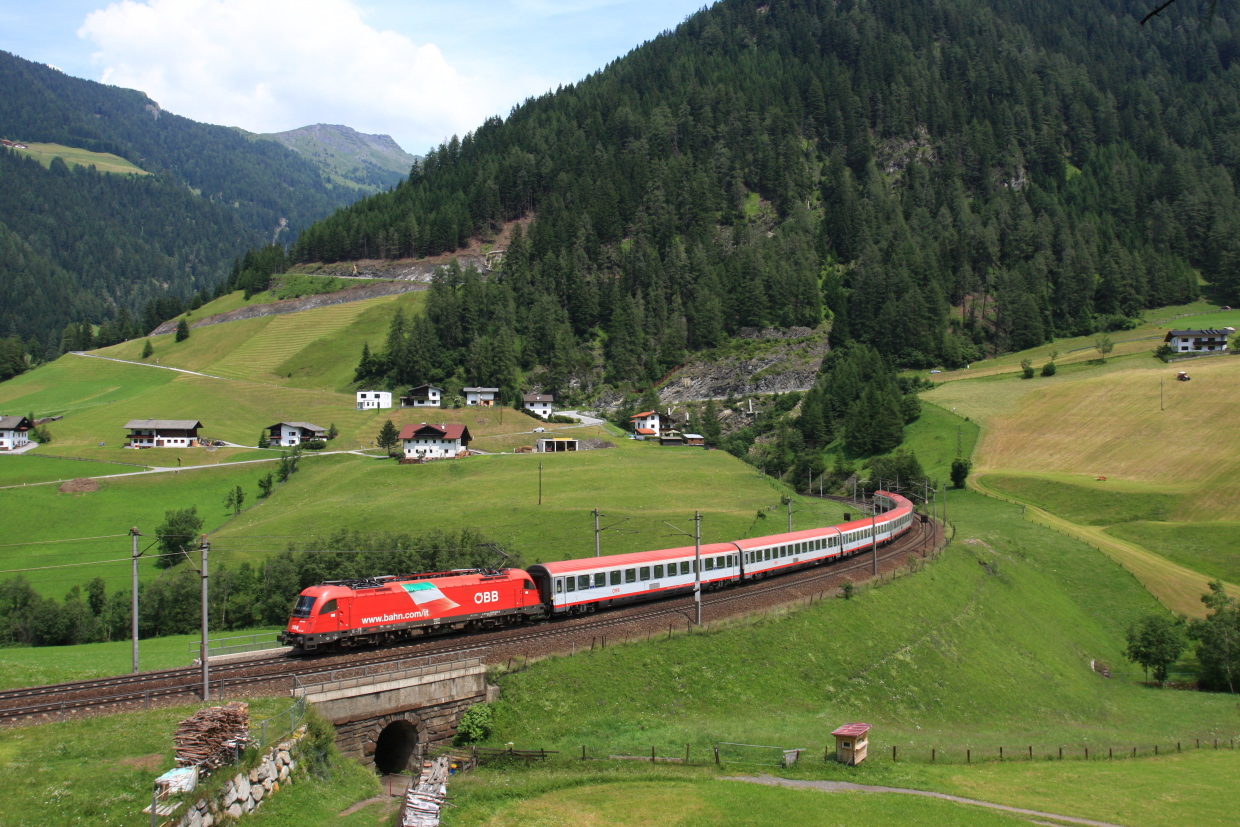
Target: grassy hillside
(989,646)
(314,349)
(75,157)
(639,484)
(1121,454)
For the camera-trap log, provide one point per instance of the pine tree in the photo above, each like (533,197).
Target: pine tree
(182,330)
(147,349)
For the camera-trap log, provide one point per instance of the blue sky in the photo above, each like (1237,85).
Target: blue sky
(417,70)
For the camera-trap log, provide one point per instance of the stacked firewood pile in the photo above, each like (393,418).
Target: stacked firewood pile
(212,737)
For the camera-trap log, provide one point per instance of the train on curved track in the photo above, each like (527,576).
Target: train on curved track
(378,610)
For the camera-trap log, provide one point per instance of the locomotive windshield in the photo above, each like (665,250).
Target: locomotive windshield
(305,603)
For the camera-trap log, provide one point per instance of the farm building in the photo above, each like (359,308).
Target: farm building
(288,434)
(372,400)
(423,396)
(671,438)
(435,441)
(650,423)
(482,397)
(556,445)
(162,433)
(694,439)
(1198,341)
(538,403)
(14,432)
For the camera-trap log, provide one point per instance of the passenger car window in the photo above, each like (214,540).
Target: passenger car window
(645,573)
(583,581)
(658,572)
(600,580)
(572,583)
(615,577)
(684,567)
(559,585)
(630,575)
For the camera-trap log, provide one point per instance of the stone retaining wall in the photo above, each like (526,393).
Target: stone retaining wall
(245,792)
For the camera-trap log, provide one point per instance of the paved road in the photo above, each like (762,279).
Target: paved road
(846,787)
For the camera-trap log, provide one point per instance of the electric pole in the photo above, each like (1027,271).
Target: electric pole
(134,535)
(874,535)
(697,564)
(206,680)
(596,531)
(789,514)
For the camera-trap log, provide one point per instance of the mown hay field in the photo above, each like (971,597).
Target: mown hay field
(1125,452)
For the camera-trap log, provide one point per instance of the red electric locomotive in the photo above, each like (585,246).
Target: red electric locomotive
(373,610)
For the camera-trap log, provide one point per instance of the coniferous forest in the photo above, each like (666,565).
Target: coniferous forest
(81,247)
(941,179)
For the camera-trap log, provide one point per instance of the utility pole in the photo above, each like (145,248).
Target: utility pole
(874,534)
(134,535)
(206,679)
(789,514)
(697,564)
(596,531)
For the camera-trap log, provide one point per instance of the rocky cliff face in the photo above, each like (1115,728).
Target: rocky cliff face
(757,361)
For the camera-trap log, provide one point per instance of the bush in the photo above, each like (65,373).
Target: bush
(475,724)
(1048,369)
(960,471)
(1026,368)
(561,419)
(314,444)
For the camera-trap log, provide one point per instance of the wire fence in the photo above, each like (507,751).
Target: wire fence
(278,726)
(760,755)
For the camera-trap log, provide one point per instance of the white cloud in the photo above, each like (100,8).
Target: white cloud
(272,65)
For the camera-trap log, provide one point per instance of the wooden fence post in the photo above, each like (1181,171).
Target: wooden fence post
(716,756)
(968,756)
(686,753)
(1000,753)
(933,750)
(583,752)
(1031,752)
(652,754)
(1061,753)
(893,752)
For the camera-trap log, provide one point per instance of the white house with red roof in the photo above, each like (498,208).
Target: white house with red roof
(435,441)
(14,432)
(650,423)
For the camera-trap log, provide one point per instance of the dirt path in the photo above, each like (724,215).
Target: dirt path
(847,787)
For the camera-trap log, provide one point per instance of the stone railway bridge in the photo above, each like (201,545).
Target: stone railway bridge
(390,714)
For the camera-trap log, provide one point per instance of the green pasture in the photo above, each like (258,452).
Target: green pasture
(100,771)
(74,157)
(1193,787)
(316,349)
(1080,349)
(638,486)
(1096,503)
(495,798)
(41,527)
(1210,548)
(21,469)
(40,665)
(989,646)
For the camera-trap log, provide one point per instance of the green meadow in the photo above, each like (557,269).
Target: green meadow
(315,349)
(100,771)
(42,665)
(1193,787)
(989,646)
(74,157)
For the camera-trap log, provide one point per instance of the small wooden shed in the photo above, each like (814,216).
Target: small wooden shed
(852,741)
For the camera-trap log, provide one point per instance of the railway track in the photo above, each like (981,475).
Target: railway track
(121,692)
